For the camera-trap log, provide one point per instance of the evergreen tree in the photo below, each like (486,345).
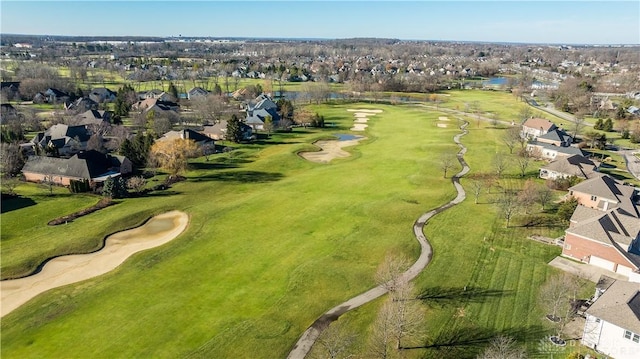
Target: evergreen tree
(608,125)
(173,91)
(234,129)
(598,125)
(115,188)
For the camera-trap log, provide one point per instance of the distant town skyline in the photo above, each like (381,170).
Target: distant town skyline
(548,22)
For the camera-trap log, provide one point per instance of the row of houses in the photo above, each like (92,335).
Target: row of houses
(604,231)
(74,162)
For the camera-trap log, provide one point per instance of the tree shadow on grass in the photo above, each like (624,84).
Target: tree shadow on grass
(241,176)
(16,203)
(442,296)
(468,342)
(213,165)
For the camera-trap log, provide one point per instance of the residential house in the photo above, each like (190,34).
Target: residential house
(94,117)
(155,93)
(612,325)
(604,192)
(197,92)
(536,127)
(102,94)
(556,137)
(155,105)
(93,166)
(206,143)
(259,109)
(65,139)
(219,131)
(550,152)
(81,105)
(52,96)
(256,118)
(572,166)
(10,88)
(605,227)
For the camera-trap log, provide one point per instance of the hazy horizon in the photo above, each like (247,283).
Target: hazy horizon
(521,22)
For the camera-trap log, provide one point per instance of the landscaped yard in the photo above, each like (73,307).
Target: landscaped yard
(275,240)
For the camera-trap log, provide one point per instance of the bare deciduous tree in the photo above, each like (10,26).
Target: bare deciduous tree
(503,347)
(333,343)
(389,273)
(544,196)
(512,138)
(136,183)
(499,163)
(523,160)
(508,206)
(446,162)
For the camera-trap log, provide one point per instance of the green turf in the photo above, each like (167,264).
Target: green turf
(275,240)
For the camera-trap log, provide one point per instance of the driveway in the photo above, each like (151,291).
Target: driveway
(584,270)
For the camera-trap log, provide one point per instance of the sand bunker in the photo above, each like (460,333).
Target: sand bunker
(361,118)
(74,268)
(442,125)
(364,110)
(443,118)
(358,127)
(330,149)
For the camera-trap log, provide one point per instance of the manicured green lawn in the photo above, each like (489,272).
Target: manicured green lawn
(274,241)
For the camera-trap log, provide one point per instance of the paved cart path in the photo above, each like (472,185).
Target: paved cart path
(309,337)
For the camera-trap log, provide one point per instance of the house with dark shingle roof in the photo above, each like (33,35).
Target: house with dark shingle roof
(258,111)
(550,152)
(219,131)
(102,94)
(603,192)
(155,105)
(94,117)
(612,324)
(82,104)
(91,165)
(187,134)
(66,139)
(604,229)
(573,166)
(197,92)
(556,137)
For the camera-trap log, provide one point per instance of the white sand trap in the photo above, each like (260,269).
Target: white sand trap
(442,125)
(443,118)
(361,120)
(364,110)
(78,267)
(330,149)
(362,115)
(358,127)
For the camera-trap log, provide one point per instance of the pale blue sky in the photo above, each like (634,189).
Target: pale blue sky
(560,22)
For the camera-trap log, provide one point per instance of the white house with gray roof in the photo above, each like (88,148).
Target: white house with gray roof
(612,325)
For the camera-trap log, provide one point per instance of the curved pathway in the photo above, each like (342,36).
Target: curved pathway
(309,337)
(74,268)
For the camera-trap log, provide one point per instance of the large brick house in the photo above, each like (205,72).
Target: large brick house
(605,228)
(93,166)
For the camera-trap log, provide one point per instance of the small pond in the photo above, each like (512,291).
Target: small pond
(346,137)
